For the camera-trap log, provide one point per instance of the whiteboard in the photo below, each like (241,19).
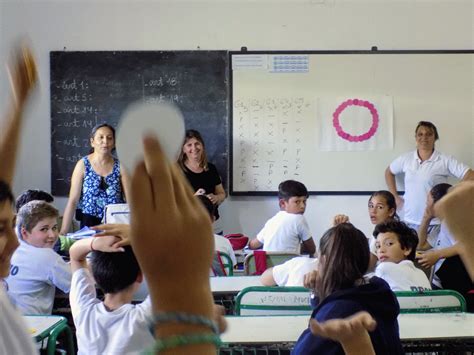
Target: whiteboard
(277,115)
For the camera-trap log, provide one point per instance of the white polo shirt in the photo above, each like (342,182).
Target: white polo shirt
(403,276)
(284,232)
(420,177)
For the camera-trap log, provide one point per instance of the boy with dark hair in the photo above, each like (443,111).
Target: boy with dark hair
(31,195)
(396,249)
(290,188)
(113,326)
(285,231)
(36,270)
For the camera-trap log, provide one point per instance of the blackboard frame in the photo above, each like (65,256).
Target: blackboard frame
(193,67)
(373,51)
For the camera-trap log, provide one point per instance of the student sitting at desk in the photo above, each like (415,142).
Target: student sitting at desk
(448,270)
(114,326)
(288,229)
(63,243)
(342,290)
(36,269)
(290,273)
(396,247)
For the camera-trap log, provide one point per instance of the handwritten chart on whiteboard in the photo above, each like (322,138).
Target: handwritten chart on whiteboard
(335,121)
(271,133)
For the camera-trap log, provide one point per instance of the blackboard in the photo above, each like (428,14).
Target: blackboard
(283,103)
(92,87)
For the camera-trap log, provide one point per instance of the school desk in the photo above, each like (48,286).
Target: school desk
(232,285)
(418,331)
(49,327)
(225,288)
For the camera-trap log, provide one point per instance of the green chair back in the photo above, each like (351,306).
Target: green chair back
(262,300)
(226,263)
(431,301)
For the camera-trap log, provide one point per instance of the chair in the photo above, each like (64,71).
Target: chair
(435,301)
(262,300)
(51,331)
(273,258)
(225,263)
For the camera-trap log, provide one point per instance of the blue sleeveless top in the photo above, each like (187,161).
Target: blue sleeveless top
(98,191)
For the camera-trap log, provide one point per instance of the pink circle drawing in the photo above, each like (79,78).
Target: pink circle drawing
(355,102)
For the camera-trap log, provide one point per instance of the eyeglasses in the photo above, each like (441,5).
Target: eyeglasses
(103,184)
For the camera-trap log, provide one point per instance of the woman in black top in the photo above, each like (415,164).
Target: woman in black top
(201,174)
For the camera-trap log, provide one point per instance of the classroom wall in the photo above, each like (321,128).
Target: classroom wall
(222,24)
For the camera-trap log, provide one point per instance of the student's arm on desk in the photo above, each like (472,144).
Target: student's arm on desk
(308,247)
(255,244)
(267,278)
(81,248)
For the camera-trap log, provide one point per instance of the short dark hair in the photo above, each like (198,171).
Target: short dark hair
(439,190)
(114,272)
(31,195)
(208,205)
(343,259)
(5,192)
(407,237)
(291,188)
(429,125)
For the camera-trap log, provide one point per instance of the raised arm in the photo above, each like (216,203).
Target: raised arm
(172,239)
(23,77)
(423,231)
(392,186)
(469,175)
(81,248)
(456,209)
(74,195)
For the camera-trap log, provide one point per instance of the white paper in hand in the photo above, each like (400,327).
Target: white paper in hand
(164,120)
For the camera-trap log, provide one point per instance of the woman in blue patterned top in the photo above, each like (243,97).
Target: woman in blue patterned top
(97,180)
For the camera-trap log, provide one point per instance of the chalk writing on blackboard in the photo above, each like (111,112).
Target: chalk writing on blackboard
(269,136)
(89,88)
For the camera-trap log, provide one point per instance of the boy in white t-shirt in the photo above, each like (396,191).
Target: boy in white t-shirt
(290,273)
(113,326)
(36,270)
(396,248)
(288,230)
